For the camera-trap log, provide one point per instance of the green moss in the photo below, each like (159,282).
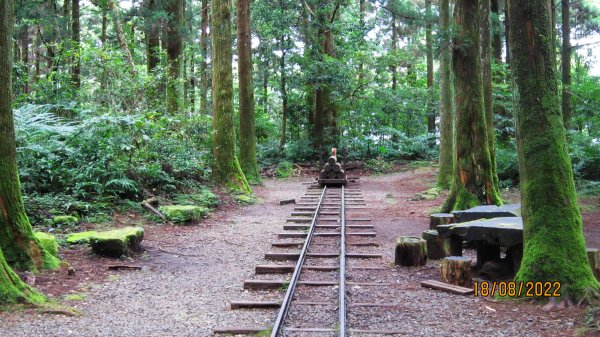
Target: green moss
(284,169)
(80,238)
(205,198)
(64,220)
(117,242)
(245,199)
(184,213)
(75,297)
(49,242)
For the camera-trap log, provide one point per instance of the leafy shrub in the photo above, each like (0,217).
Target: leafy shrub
(507,165)
(284,169)
(585,156)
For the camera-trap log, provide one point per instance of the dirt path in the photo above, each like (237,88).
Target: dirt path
(190,273)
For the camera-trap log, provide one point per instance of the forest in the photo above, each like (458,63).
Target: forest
(108,108)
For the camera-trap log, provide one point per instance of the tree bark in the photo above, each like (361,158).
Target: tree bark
(566,62)
(226,168)
(429,47)
(486,76)
(204,55)
(473,182)
(76,47)
(174,56)
(554,246)
(447,159)
(507,32)
(246,94)
(20,248)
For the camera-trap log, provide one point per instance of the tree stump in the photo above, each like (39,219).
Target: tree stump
(456,270)
(411,251)
(437,219)
(437,247)
(594,258)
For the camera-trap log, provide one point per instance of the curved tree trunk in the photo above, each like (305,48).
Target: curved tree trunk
(226,168)
(19,246)
(554,246)
(246,92)
(446,103)
(473,182)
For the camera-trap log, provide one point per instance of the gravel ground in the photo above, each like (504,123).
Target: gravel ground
(178,295)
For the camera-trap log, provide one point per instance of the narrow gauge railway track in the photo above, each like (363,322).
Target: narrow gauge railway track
(316,294)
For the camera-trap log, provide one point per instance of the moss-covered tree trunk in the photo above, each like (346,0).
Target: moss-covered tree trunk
(226,168)
(246,92)
(566,61)
(116,15)
(204,86)
(446,102)
(473,182)
(174,42)
(554,246)
(76,40)
(20,247)
(486,77)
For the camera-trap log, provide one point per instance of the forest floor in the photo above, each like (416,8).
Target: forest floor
(190,273)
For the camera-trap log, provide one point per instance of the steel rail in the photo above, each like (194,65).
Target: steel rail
(342,285)
(285,305)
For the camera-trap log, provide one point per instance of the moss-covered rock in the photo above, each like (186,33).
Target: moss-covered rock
(61,220)
(48,241)
(80,238)
(182,214)
(117,242)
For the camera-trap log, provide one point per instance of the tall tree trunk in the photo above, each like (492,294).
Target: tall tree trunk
(361,20)
(473,182)
(151,32)
(37,54)
(19,246)
(282,87)
(496,32)
(486,77)
(174,56)
(566,62)
(446,104)
(76,47)
(394,66)
(226,168)
(429,47)
(116,16)
(204,55)
(25,57)
(246,94)
(507,32)
(103,38)
(554,245)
